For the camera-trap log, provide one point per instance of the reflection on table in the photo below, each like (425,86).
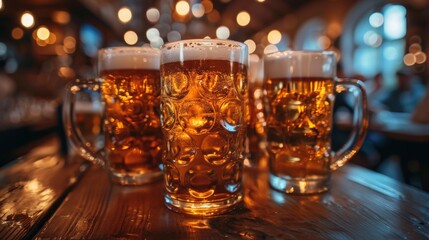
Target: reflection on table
(45,195)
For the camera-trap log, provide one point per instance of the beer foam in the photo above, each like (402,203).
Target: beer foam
(289,64)
(129,58)
(204,49)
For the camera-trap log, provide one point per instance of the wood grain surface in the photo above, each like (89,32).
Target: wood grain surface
(360,205)
(32,187)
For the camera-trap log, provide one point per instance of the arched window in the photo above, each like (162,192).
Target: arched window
(373,40)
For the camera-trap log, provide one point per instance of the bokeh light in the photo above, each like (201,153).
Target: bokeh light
(157,42)
(3,50)
(274,36)
(17,33)
(182,8)
(66,72)
(27,20)
(324,42)
(52,38)
(208,6)
(125,15)
(198,10)
(251,45)
(409,59)
(420,57)
(43,33)
(243,18)
(173,36)
(69,45)
(270,49)
(376,19)
(152,15)
(69,42)
(372,39)
(130,37)
(222,32)
(414,48)
(152,34)
(61,17)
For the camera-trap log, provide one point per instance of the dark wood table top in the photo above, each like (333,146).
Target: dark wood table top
(45,196)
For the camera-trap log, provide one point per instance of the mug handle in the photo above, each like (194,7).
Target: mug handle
(359,123)
(69,117)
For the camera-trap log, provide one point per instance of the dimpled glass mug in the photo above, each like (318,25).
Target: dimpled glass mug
(204,85)
(130,90)
(300,88)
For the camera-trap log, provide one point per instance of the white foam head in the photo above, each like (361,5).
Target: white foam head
(204,49)
(300,64)
(128,58)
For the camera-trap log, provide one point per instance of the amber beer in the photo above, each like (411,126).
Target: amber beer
(88,120)
(203,120)
(131,93)
(300,90)
(299,126)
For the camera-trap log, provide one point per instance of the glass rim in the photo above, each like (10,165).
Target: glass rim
(280,54)
(128,49)
(208,41)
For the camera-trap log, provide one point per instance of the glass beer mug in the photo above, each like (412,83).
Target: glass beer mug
(129,84)
(204,85)
(300,88)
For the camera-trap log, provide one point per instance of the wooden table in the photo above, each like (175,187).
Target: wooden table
(45,196)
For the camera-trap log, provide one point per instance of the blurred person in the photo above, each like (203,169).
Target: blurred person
(420,115)
(376,91)
(421,112)
(407,94)
(405,98)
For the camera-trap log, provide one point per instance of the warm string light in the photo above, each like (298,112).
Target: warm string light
(27,20)
(130,37)
(243,18)
(17,33)
(61,17)
(415,54)
(274,36)
(182,8)
(125,15)
(251,45)
(208,6)
(43,33)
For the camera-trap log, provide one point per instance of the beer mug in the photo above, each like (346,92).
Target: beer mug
(129,83)
(300,88)
(204,85)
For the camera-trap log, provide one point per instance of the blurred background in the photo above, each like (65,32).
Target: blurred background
(46,43)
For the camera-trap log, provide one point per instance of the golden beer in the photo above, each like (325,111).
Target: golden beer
(130,91)
(204,125)
(89,124)
(299,126)
(133,136)
(300,88)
